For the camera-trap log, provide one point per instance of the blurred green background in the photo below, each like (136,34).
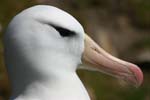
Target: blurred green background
(121,27)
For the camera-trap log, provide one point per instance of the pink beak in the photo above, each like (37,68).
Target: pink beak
(104,62)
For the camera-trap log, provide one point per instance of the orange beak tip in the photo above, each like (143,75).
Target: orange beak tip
(138,73)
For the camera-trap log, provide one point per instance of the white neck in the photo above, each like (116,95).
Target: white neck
(65,87)
(48,79)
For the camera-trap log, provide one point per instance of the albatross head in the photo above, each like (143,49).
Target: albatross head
(43,40)
(45,36)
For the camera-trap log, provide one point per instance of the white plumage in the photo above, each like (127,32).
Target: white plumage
(42,64)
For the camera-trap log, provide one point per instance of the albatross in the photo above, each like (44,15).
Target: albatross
(44,46)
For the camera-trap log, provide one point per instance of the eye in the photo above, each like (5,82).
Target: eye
(64,32)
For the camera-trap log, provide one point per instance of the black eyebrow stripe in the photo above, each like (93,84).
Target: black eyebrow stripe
(63,31)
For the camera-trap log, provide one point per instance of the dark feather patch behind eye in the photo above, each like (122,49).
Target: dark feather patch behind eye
(64,32)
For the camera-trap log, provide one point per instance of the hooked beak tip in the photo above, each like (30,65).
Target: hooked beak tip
(138,75)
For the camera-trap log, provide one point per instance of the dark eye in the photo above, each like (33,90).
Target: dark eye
(64,32)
